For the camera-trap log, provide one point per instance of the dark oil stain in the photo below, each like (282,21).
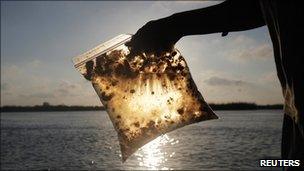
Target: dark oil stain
(106,97)
(167,116)
(114,82)
(136,124)
(168,102)
(173,53)
(180,111)
(89,67)
(151,124)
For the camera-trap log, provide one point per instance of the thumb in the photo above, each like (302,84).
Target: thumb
(129,43)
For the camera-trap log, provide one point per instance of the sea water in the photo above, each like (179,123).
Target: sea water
(87,140)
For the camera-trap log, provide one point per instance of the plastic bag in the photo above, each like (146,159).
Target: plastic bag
(145,95)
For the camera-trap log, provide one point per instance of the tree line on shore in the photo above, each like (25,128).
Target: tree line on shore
(47,107)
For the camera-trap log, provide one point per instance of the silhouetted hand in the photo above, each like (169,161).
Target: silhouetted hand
(156,36)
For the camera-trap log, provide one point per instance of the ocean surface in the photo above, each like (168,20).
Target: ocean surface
(87,140)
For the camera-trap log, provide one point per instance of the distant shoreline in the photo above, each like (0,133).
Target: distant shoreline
(54,108)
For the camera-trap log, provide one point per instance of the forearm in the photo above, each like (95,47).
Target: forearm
(225,17)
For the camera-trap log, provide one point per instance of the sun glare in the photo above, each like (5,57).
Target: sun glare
(154,154)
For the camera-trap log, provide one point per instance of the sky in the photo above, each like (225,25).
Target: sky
(39,39)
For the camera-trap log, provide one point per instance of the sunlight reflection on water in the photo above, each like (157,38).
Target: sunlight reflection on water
(72,140)
(153,155)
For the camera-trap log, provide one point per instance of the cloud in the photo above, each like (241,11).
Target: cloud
(42,95)
(11,70)
(243,40)
(33,80)
(34,63)
(263,51)
(223,87)
(24,84)
(5,86)
(66,88)
(271,81)
(217,81)
(269,77)
(244,48)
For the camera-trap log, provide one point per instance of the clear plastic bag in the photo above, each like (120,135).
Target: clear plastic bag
(145,95)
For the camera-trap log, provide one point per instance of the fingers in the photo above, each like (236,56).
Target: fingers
(138,44)
(134,48)
(128,44)
(142,40)
(224,34)
(157,47)
(151,38)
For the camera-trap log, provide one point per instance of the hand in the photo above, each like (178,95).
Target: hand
(156,36)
